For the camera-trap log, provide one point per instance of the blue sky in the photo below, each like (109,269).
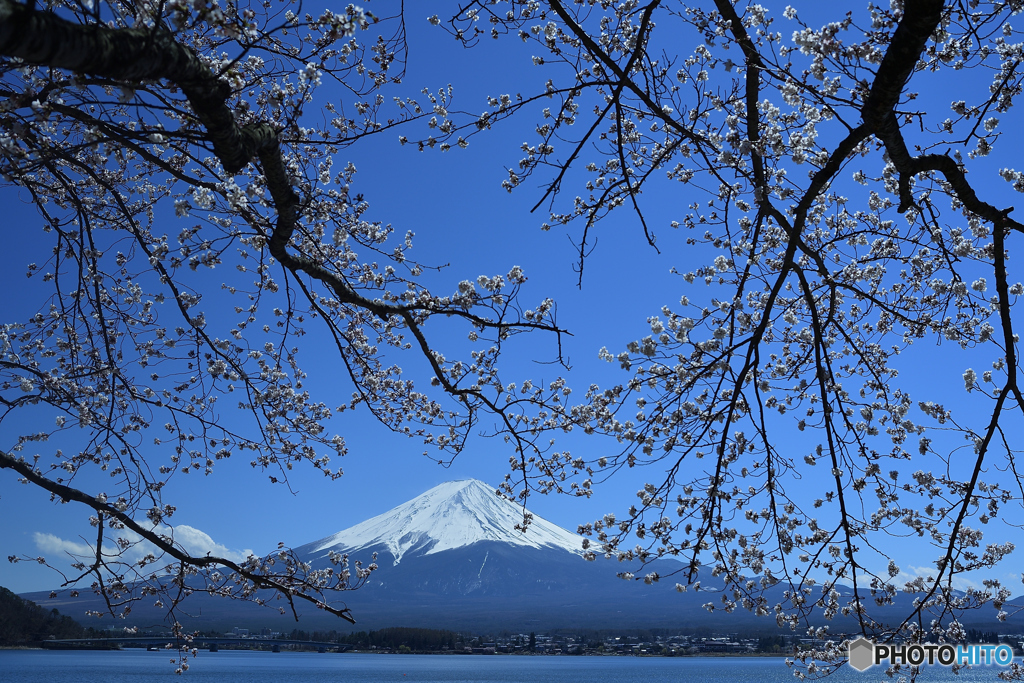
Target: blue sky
(455,204)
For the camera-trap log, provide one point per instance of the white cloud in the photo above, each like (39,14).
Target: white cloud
(198,542)
(194,541)
(910,572)
(48,543)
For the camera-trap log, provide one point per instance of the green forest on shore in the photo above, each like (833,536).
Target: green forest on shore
(23,622)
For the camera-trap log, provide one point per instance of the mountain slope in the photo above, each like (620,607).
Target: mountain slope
(453,558)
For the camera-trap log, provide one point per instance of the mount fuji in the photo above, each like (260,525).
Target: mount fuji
(450,516)
(453,558)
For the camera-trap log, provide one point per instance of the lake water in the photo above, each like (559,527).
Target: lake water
(139,666)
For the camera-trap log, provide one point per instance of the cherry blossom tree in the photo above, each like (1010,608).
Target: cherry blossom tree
(840,218)
(159,141)
(843,218)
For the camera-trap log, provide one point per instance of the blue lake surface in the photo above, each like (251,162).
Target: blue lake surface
(139,666)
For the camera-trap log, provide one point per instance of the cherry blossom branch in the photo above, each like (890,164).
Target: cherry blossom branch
(291,587)
(132,55)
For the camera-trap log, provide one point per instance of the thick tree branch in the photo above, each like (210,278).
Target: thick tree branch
(920,19)
(132,55)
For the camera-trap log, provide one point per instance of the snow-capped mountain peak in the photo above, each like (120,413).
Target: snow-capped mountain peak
(450,515)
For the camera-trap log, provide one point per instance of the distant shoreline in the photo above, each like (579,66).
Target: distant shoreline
(706,655)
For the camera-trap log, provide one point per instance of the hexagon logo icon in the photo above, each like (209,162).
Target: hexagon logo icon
(861,654)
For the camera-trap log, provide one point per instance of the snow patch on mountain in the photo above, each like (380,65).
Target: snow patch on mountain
(451,515)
